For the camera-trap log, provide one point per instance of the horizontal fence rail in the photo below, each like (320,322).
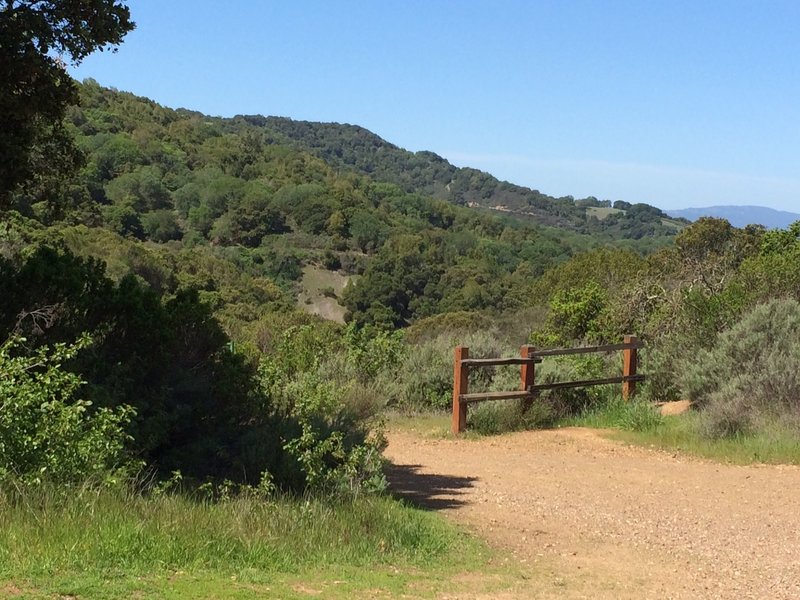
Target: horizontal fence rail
(528,359)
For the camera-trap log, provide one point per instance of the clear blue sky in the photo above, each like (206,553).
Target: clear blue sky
(673,103)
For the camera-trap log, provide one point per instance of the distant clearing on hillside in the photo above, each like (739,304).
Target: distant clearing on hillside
(312,297)
(601,212)
(673,224)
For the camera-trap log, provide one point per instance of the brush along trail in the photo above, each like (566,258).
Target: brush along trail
(595,518)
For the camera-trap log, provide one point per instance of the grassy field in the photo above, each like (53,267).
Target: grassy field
(89,543)
(679,433)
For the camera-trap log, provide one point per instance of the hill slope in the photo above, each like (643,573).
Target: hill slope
(238,208)
(353,148)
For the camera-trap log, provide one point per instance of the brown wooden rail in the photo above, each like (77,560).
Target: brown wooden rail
(528,359)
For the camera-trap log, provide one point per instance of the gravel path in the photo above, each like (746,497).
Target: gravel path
(595,518)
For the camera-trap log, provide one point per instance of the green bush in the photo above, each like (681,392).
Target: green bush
(331,261)
(750,377)
(46,433)
(333,448)
(322,394)
(565,403)
(491,418)
(661,363)
(424,379)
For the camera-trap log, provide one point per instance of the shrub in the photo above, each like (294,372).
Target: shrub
(331,261)
(661,363)
(371,352)
(317,391)
(425,377)
(333,450)
(452,324)
(491,418)
(573,401)
(46,434)
(750,377)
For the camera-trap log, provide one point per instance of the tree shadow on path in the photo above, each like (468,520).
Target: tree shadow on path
(427,490)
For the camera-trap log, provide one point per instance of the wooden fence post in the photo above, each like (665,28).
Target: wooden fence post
(629,363)
(527,371)
(460,386)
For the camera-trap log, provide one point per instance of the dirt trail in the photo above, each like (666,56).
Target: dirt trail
(595,518)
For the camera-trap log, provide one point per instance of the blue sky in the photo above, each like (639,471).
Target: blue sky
(673,103)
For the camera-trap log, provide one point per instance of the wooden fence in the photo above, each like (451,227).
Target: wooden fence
(527,361)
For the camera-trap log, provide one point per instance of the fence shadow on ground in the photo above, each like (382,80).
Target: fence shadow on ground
(427,490)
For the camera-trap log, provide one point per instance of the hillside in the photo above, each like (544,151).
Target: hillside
(740,216)
(238,208)
(356,149)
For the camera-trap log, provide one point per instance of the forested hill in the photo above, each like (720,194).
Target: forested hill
(354,148)
(241,208)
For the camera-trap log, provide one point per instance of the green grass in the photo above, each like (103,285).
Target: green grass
(326,582)
(429,424)
(770,445)
(91,543)
(639,423)
(637,416)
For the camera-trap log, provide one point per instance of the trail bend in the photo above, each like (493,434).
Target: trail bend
(596,518)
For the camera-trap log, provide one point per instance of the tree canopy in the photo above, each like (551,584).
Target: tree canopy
(35,38)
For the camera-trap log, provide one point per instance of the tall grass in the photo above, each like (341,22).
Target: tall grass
(48,531)
(772,444)
(616,413)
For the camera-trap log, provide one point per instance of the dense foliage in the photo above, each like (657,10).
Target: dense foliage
(46,433)
(354,148)
(249,196)
(34,144)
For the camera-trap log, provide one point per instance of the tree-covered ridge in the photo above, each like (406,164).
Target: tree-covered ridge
(355,148)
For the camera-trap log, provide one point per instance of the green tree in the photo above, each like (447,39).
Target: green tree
(35,89)
(161,226)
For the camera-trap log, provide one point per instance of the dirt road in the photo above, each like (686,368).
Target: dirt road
(594,518)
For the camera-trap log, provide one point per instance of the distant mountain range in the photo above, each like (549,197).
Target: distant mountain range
(739,216)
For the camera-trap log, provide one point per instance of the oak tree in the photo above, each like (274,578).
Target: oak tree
(36,38)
